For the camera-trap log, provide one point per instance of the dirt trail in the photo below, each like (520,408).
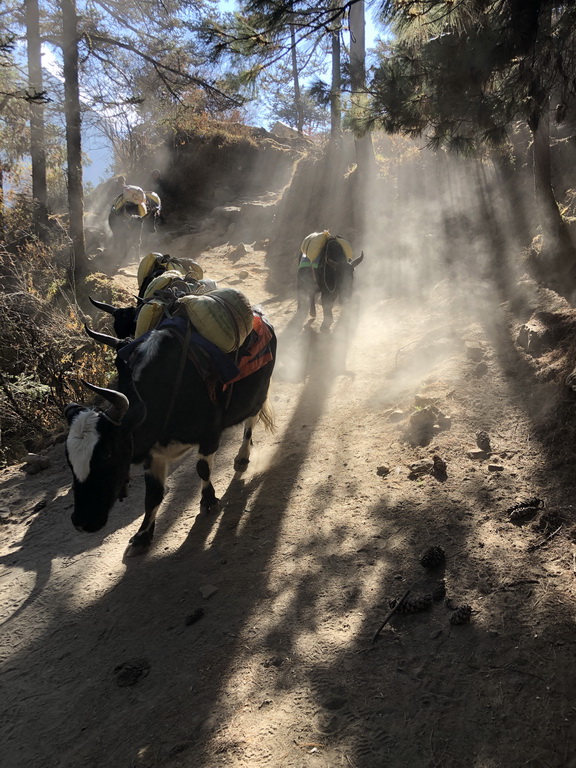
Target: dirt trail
(114,663)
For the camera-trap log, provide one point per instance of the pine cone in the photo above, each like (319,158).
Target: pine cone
(413,604)
(433,557)
(439,466)
(483,441)
(439,591)
(524,509)
(461,615)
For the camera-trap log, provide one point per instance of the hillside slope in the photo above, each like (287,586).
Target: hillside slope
(244,639)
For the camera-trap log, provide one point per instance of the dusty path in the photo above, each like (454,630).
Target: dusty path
(124,664)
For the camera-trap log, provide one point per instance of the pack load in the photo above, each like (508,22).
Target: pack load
(183,283)
(223,316)
(154,262)
(133,196)
(206,285)
(313,244)
(153,201)
(152,311)
(148,317)
(160,282)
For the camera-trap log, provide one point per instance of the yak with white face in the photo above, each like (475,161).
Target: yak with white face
(163,406)
(98,450)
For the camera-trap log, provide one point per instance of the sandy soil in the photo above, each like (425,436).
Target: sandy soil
(129,663)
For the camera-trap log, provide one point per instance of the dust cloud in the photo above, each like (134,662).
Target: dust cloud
(438,231)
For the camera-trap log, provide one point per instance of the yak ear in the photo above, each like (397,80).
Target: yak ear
(357,261)
(72,410)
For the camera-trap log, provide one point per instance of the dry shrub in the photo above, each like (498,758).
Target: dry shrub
(44,351)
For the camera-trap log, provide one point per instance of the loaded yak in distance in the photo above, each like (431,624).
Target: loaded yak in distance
(325,269)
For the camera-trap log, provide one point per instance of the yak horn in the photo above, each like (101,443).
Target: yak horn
(102,338)
(118,401)
(103,306)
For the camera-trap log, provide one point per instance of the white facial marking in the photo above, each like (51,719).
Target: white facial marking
(81,441)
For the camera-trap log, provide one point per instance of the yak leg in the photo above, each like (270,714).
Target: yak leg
(123,245)
(243,458)
(312,303)
(204,466)
(306,290)
(155,479)
(138,243)
(327,304)
(305,297)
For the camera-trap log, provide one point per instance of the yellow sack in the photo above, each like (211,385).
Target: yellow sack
(153,200)
(313,244)
(346,247)
(148,317)
(205,285)
(134,195)
(118,203)
(192,269)
(152,261)
(160,282)
(137,196)
(224,317)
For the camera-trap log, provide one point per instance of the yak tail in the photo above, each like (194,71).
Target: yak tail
(266,416)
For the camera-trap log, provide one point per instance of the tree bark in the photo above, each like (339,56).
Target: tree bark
(37,137)
(296,81)
(78,266)
(2,219)
(336,91)
(365,158)
(557,245)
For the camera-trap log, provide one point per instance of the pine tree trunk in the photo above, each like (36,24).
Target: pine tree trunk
(78,265)
(557,245)
(296,81)
(2,219)
(335,91)
(365,158)
(37,139)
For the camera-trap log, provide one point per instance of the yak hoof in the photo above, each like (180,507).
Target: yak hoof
(138,546)
(241,465)
(139,543)
(210,506)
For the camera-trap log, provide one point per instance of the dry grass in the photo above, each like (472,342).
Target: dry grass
(43,351)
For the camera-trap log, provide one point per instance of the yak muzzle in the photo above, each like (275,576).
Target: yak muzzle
(87,526)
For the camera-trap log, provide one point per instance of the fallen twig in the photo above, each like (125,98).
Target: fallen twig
(532,547)
(517,583)
(410,343)
(308,744)
(389,616)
